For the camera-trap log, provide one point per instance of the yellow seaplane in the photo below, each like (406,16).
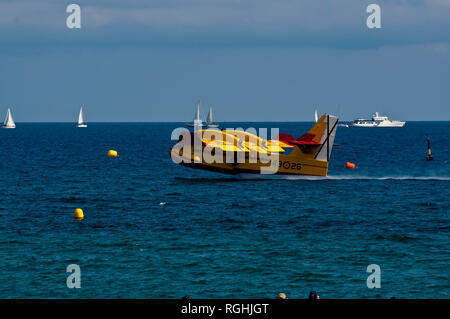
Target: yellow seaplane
(243,152)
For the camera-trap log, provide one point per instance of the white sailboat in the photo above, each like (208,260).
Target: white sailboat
(81,119)
(198,123)
(315,115)
(209,119)
(9,122)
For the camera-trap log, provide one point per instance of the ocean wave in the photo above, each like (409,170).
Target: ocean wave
(342,177)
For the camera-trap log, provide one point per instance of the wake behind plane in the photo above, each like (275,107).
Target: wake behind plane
(240,152)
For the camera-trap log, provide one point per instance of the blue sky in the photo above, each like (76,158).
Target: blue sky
(253,60)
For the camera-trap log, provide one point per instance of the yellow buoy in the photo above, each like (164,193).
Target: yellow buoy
(78,213)
(112,153)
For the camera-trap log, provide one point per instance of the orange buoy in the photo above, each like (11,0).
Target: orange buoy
(350,165)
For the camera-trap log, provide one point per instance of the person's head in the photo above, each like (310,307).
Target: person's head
(281,295)
(185,298)
(313,295)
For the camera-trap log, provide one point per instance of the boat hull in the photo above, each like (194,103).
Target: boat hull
(392,124)
(285,165)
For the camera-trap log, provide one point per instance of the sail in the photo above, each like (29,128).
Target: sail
(6,118)
(315,115)
(197,115)
(81,120)
(9,122)
(197,121)
(209,118)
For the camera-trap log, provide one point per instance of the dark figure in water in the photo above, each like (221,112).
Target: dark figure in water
(429,156)
(281,295)
(313,295)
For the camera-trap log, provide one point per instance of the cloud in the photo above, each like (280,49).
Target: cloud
(228,22)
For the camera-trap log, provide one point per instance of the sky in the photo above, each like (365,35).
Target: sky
(252,60)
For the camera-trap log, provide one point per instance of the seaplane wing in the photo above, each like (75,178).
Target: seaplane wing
(222,140)
(256,143)
(308,155)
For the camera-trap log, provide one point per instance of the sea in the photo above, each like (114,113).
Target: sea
(154,229)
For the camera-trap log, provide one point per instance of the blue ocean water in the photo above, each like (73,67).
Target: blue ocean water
(221,236)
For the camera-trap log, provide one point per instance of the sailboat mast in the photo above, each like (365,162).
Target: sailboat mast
(210,116)
(80,116)
(10,119)
(198,111)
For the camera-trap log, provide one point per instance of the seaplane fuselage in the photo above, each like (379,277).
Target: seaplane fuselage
(241,152)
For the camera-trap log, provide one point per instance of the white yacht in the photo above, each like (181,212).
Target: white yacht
(81,119)
(9,122)
(377,121)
